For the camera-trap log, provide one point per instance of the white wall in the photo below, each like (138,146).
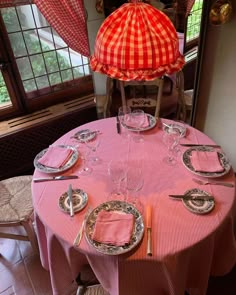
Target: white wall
(218,85)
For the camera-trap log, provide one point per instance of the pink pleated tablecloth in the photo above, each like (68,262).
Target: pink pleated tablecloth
(187,248)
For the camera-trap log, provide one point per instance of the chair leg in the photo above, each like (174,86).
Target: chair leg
(28,226)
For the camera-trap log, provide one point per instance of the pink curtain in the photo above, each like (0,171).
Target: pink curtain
(67,17)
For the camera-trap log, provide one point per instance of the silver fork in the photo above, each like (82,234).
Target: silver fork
(202,182)
(79,236)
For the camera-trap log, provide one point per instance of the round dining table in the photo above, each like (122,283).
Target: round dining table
(187,248)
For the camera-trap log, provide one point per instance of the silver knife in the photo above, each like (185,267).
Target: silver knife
(195,197)
(117,124)
(52,178)
(71,201)
(193,144)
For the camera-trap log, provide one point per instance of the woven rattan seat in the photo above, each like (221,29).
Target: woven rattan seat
(16,208)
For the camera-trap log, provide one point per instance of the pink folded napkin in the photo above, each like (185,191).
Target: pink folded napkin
(55,156)
(113,228)
(206,161)
(132,123)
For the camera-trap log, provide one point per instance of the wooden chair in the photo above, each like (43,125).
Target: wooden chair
(141,102)
(16,208)
(185,99)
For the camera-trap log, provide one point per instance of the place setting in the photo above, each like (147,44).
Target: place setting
(56,158)
(206,161)
(114,227)
(135,121)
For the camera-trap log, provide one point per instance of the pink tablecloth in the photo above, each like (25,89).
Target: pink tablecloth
(187,248)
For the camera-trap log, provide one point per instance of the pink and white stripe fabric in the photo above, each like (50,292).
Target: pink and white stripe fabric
(136,42)
(187,248)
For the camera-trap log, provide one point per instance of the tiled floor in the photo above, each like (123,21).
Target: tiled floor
(21,273)
(20,270)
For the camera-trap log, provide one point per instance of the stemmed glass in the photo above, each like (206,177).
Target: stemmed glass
(117,173)
(137,120)
(134,183)
(123,114)
(93,144)
(171,139)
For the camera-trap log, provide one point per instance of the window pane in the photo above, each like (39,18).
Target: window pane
(42,82)
(26,17)
(4,95)
(38,65)
(51,61)
(63,59)
(24,67)
(10,19)
(67,75)
(32,42)
(29,85)
(55,79)
(194,21)
(18,45)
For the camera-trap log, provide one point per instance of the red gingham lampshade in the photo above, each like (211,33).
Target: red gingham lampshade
(136,42)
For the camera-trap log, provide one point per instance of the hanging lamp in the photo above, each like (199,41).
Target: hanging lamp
(136,42)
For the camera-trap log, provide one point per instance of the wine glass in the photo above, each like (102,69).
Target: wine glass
(123,114)
(171,139)
(117,173)
(137,121)
(93,144)
(134,183)
(86,169)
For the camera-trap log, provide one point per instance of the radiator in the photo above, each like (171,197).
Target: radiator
(21,139)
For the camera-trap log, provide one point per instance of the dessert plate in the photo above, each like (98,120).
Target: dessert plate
(79,199)
(198,206)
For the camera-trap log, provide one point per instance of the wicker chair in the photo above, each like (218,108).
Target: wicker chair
(16,208)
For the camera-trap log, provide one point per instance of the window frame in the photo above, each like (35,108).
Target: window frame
(21,104)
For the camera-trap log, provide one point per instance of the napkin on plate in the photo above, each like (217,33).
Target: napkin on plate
(56,156)
(113,228)
(206,161)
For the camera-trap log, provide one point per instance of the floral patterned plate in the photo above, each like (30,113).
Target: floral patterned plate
(118,206)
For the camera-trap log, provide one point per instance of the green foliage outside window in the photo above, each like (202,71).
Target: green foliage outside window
(47,67)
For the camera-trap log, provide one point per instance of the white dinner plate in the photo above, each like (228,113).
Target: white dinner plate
(198,206)
(79,199)
(118,206)
(186,159)
(46,169)
(152,123)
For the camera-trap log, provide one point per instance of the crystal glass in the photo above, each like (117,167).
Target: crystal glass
(123,114)
(93,145)
(137,120)
(117,173)
(171,139)
(134,183)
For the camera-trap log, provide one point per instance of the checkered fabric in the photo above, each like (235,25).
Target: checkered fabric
(67,17)
(136,42)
